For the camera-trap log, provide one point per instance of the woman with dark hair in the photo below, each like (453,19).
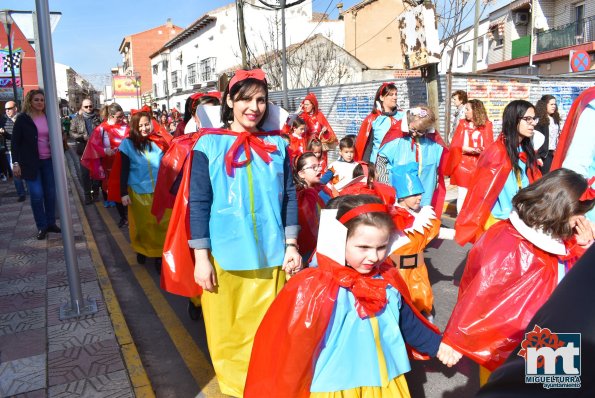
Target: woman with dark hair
(505,167)
(474,133)
(242,217)
(384,116)
(516,265)
(317,126)
(32,161)
(190,124)
(546,110)
(140,155)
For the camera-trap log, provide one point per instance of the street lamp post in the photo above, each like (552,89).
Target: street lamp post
(7,21)
(165,63)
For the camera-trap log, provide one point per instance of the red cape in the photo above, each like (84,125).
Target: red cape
(440,191)
(94,157)
(380,190)
(506,280)
(364,133)
(170,168)
(567,134)
(288,340)
(114,178)
(309,205)
(493,169)
(456,157)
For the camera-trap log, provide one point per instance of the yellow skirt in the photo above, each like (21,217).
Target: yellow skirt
(232,314)
(146,234)
(396,388)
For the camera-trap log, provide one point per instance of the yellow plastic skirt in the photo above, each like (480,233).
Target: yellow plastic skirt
(146,234)
(232,313)
(396,388)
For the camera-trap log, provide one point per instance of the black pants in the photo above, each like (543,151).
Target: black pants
(89,186)
(547,162)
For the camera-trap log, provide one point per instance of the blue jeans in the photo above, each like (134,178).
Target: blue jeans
(42,193)
(18,182)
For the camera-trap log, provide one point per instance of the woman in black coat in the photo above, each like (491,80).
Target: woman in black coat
(549,125)
(32,161)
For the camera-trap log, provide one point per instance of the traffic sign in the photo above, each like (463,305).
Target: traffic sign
(580,61)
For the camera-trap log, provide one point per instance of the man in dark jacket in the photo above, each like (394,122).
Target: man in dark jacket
(6,125)
(81,128)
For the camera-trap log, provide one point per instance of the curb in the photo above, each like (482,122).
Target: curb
(136,371)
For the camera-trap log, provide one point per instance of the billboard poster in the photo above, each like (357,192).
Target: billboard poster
(123,86)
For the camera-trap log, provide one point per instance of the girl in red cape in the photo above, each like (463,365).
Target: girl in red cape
(516,264)
(378,123)
(100,151)
(311,199)
(473,134)
(341,329)
(505,167)
(296,131)
(316,125)
(370,186)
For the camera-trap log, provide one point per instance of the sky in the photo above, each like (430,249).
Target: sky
(89,33)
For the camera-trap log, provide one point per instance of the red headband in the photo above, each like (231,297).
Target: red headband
(241,74)
(589,193)
(367,208)
(145,108)
(215,94)
(384,85)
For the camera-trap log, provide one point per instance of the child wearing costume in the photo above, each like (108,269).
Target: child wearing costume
(238,201)
(516,265)
(341,170)
(317,127)
(344,325)
(419,226)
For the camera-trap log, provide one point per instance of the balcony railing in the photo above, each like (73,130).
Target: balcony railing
(571,34)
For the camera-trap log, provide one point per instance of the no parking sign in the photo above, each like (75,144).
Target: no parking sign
(580,61)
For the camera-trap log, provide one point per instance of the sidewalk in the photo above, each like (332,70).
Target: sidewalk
(40,355)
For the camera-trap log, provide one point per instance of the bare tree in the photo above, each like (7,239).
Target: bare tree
(453,15)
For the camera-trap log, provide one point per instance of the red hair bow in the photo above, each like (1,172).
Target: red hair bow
(402,218)
(241,74)
(215,94)
(145,108)
(589,193)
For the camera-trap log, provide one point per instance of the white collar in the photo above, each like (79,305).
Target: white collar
(536,236)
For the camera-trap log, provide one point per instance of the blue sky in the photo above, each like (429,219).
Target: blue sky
(90,32)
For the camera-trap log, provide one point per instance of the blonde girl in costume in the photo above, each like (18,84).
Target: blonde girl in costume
(243,223)
(344,324)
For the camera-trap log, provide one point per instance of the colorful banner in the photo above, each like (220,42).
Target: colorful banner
(124,86)
(17,56)
(495,95)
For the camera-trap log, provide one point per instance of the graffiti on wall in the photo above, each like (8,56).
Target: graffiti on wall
(495,94)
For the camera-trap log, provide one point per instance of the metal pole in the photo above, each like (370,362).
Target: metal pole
(475,35)
(284,56)
(78,306)
(240,12)
(532,31)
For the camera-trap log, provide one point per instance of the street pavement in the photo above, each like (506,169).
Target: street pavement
(41,355)
(142,341)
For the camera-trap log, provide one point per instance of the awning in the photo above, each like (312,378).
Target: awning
(497,22)
(520,4)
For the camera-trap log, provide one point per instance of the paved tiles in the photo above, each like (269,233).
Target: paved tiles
(40,354)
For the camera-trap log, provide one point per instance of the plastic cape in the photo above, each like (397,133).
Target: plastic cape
(567,134)
(493,169)
(288,341)
(380,190)
(315,121)
(506,280)
(361,142)
(113,183)
(297,146)
(309,205)
(94,158)
(170,169)
(440,191)
(458,160)
(177,271)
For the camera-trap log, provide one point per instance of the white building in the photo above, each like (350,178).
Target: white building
(463,51)
(195,58)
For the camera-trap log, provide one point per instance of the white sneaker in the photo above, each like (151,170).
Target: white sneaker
(3,178)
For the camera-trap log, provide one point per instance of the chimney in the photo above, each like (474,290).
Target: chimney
(168,23)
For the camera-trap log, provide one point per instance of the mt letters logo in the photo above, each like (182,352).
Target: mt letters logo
(552,359)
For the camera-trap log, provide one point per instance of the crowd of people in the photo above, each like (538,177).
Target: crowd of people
(300,264)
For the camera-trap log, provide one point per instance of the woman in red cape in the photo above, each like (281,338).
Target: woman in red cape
(506,166)
(316,125)
(474,133)
(515,266)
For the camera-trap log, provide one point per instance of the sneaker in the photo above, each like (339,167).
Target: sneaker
(3,178)
(111,204)
(106,204)
(54,228)
(42,234)
(21,198)
(123,223)
(141,258)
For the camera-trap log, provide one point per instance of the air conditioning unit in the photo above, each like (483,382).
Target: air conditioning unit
(521,18)
(466,47)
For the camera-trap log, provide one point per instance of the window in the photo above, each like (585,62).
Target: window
(175,79)
(579,15)
(497,34)
(155,69)
(460,61)
(480,48)
(165,89)
(207,69)
(155,90)
(192,74)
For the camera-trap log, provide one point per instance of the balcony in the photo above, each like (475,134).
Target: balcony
(521,47)
(568,35)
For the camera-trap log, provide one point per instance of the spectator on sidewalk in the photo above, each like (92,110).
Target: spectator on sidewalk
(6,128)
(83,124)
(550,126)
(32,160)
